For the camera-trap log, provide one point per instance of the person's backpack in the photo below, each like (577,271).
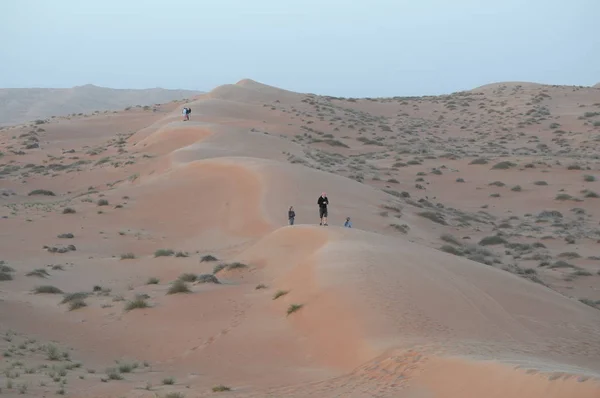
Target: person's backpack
(189,110)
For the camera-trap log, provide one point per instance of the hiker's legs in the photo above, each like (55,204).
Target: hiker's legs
(292,221)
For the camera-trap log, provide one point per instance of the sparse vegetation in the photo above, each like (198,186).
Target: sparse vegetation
(179,286)
(77,304)
(589,178)
(280,293)
(127,256)
(208,258)
(137,302)
(68,210)
(293,308)
(188,277)
(47,289)
(433,216)
(208,278)
(169,381)
(40,273)
(492,240)
(102,202)
(153,281)
(504,165)
(221,388)
(43,192)
(163,253)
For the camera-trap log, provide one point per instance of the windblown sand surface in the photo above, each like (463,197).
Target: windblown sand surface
(472,269)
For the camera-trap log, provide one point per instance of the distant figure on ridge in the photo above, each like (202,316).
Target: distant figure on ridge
(186,113)
(348,223)
(323,201)
(291,215)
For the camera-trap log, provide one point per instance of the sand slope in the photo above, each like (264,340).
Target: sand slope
(405,304)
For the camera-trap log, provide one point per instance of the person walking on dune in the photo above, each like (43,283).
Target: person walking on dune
(186,113)
(323,201)
(291,215)
(348,223)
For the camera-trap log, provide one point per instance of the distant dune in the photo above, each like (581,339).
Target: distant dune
(19,105)
(597,85)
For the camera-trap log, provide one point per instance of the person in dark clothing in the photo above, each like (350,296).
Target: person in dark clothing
(323,201)
(291,215)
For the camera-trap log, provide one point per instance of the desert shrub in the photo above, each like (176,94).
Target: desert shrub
(581,272)
(76,304)
(293,308)
(40,273)
(169,381)
(540,183)
(516,188)
(393,181)
(44,192)
(113,374)
(573,167)
(452,250)
(503,165)
(401,228)
(563,196)
(127,256)
(589,178)
(217,268)
(5,276)
(492,240)
(47,289)
(280,293)
(153,281)
(433,216)
(450,239)
(208,258)
(570,255)
(591,194)
(497,183)
(102,202)
(181,254)
(68,210)
(221,388)
(179,286)
(163,253)
(208,278)
(66,236)
(67,298)
(137,302)
(561,264)
(235,265)
(479,161)
(260,286)
(188,277)
(591,303)
(127,367)
(460,180)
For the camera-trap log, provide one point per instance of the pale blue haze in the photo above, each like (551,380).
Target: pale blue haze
(336,47)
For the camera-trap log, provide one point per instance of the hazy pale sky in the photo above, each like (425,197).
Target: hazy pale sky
(335,47)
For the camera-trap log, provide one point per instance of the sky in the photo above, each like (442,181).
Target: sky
(351,48)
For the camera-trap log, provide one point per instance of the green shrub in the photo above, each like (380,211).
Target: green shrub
(208,258)
(68,210)
(44,192)
(589,178)
(153,281)
(452,250)
(540,183)
(293,308)
(127,256)
(479,161)
(47,289)
(221,388)
(433,216)
(102,202)
(492,240)
(163,253)
(503,165)
(137,302)
(179,286)
(188,277)
(280,293)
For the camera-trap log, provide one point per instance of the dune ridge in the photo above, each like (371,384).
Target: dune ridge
(408,303)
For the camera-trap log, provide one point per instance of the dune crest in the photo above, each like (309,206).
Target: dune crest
(160,251)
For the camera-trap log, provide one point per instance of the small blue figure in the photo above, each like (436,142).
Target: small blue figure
(348,223)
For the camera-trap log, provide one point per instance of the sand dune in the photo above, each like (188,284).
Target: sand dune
(452,283)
